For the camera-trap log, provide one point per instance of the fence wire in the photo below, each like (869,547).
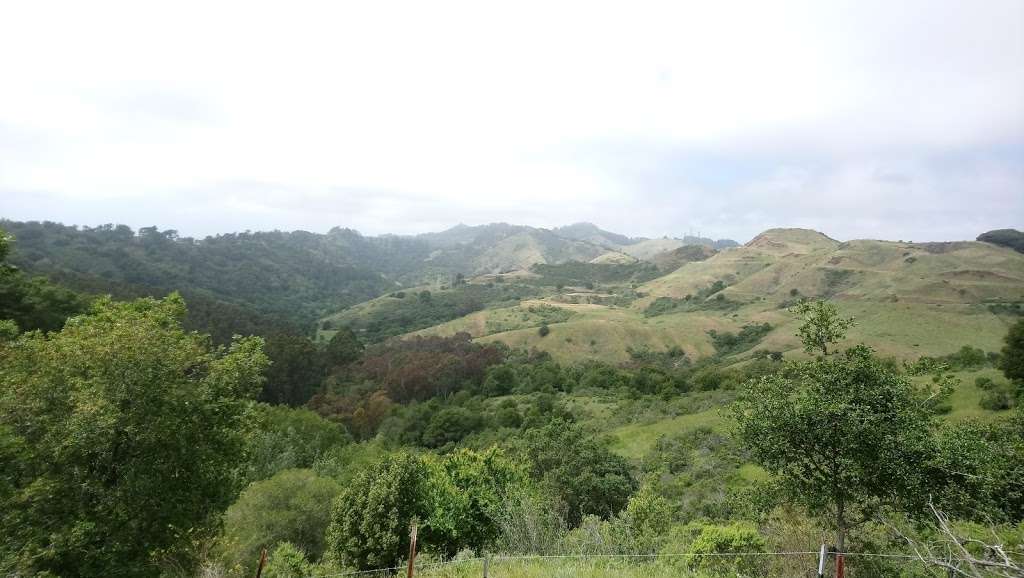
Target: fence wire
(655,565)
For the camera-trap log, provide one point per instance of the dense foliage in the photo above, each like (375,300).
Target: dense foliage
(576,273)
(292,506)
(1011,238)
(33,303)
(121,436)
(295,276)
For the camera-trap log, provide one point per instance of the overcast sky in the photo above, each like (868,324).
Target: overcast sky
(897,120)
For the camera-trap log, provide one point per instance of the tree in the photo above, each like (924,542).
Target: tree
(1012,359)
(983,465)
(288,507)
(844,435)
(579,469)
(821,326)
(285,437)
(343,348)
(296,369)
(456,500)
(119,439)
(370,520)
(468,491)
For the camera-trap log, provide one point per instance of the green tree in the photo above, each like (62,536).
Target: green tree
(844,435)
(468,491)
(579,469)
(296,369)
(709,552)
(983,463)
(370,520)
(285,437)
(1012,359)
(119,436)
(343,348)
(821,325)
(289,507)
(457,501)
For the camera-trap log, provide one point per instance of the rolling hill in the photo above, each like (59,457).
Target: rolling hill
(910,299)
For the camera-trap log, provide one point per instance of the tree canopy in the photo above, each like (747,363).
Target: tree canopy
(120,438)
(843,434)
(822,325)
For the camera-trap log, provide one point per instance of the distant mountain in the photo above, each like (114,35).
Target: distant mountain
(591,233)
(719,244)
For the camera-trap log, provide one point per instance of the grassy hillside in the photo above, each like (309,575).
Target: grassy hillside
(909,299)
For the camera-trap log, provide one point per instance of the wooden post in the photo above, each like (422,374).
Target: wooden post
(840,567)
(412,551)
(263,562)
(487,563)
(821,562)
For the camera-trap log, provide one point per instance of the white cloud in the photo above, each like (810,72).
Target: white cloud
(465,111)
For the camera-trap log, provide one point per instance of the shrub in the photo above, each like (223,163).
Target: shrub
(997,399)
(544,330)
(456,500)
(288,507)
(728,343)
(736,537)
(287,561)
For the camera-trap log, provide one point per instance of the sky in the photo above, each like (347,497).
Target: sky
(861,119)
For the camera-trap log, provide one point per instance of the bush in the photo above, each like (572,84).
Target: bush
(544,330)
(456,500)
(288,507)
(287,561)
(728,343)
(736,537)
(998,399)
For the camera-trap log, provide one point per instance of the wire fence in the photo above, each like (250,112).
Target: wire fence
(786,563)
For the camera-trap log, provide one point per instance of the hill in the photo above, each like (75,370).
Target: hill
(910,299)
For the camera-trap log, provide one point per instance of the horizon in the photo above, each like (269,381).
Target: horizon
(680,236)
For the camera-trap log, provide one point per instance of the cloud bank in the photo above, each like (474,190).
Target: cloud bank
(861,119)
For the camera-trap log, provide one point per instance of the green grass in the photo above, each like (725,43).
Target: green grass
(564,568)
(636,440)
(966,397)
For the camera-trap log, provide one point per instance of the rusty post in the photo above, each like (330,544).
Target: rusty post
(412,551)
